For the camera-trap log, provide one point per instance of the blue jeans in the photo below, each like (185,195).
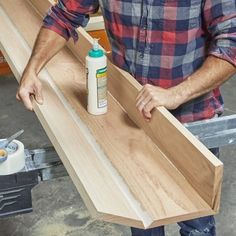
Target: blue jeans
(204,226)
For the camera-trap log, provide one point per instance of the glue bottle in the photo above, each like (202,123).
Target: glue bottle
(96,63)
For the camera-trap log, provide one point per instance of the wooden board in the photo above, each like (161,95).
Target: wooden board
(4,68)
(122,175)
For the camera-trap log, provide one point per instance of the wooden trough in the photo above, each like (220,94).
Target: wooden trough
(127,171)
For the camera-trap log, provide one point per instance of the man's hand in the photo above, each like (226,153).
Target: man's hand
(30,86)
(152,96)
(47,44)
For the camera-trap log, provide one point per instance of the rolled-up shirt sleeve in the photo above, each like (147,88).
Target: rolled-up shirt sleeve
(67,15)
(220,20)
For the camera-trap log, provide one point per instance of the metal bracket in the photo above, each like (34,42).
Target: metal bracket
(45,162)
(217,132)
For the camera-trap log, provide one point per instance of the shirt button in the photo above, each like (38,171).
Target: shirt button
(141,55)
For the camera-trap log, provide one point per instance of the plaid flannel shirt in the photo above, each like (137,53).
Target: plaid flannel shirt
(160,42)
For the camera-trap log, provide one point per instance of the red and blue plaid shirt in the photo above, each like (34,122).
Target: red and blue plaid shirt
(160,42)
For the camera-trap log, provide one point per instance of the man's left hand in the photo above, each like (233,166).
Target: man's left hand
(152,96)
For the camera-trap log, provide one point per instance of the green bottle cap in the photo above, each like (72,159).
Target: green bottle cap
(96,52)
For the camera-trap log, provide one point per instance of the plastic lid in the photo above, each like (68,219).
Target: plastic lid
(96,52)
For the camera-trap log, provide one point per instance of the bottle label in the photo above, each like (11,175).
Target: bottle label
(101,76)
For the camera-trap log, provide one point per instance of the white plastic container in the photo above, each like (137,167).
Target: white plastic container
(96,63)
(15,160)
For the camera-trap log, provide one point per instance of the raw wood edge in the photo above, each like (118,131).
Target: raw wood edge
(218,186)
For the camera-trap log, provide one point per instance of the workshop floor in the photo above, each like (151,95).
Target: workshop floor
(58,208)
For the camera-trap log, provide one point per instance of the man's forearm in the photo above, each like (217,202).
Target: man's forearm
(211,75)
(47,44)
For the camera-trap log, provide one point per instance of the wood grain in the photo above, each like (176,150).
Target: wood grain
(120,172)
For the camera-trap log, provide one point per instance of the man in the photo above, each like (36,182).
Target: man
(180,50)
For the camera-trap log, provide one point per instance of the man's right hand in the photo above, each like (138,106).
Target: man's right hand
(30,88)
(47,44)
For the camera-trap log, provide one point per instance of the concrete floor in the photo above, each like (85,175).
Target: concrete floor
(58,208)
